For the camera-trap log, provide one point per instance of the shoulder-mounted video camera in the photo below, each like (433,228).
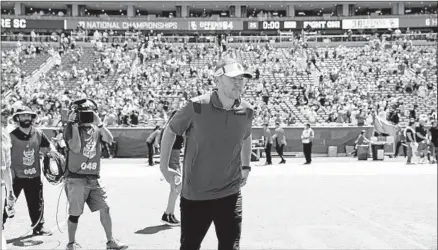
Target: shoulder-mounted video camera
(83,108)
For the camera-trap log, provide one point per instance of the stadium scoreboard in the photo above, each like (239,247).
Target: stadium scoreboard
(286,25)
(269,25)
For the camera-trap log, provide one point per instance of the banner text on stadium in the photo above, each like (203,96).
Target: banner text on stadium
(322,24)
(125,25)
(378,23)
(215,25)
(22,23)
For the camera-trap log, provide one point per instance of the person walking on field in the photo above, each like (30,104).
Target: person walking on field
(217,159)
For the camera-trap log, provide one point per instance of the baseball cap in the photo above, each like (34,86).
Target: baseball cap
(231,68)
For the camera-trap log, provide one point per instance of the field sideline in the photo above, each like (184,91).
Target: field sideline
(335,203)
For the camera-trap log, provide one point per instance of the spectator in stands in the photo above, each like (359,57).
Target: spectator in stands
(413,112)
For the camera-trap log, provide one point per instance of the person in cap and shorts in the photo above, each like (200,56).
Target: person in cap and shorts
(217,157)
(82,184)
(7,193)
(27,143)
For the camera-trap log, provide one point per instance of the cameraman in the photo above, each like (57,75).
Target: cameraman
(84,135)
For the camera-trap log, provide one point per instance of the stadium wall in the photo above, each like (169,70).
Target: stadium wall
(131,142)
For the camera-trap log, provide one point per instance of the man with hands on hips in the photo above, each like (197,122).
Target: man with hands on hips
(217,158)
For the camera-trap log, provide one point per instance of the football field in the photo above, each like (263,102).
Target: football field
(335,203)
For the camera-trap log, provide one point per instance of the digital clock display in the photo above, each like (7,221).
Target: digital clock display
(271,25)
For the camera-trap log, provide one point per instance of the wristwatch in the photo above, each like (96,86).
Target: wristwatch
(100,125)
(246,168)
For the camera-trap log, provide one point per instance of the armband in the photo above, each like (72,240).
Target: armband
(246,168)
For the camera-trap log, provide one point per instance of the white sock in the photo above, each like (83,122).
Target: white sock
(4,245)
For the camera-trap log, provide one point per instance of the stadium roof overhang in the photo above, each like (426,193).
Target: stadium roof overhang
(166,4)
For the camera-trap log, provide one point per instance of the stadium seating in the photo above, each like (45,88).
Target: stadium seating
(283,74)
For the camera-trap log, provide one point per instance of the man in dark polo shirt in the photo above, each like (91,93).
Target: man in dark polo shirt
(217,157)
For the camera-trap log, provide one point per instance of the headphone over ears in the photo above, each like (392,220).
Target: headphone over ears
(80,102)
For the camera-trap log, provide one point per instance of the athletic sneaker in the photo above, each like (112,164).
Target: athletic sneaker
(42,232)
(114,245)
(73,246)
(174,219)
(169,219)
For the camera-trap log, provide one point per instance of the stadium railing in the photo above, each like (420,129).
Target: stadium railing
(324,38)
(118,39)
(230,39)
(153,17)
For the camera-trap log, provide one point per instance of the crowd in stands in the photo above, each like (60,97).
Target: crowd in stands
(137,83)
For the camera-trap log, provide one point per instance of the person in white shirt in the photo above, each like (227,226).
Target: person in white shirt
(307,138)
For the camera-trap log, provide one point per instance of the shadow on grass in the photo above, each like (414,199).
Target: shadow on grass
(154,229)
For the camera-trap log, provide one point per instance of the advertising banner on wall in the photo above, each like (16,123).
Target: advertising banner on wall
(269,25)
(215,25)
(418,22)
(370,23)
(320,24)
(23,23)
(126,25)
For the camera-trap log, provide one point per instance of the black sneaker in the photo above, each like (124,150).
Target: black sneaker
(168,220)
(174,220)
(42,232)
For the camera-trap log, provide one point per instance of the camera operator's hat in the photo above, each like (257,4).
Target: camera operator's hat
(84,104)
(24,111)
(231,68)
